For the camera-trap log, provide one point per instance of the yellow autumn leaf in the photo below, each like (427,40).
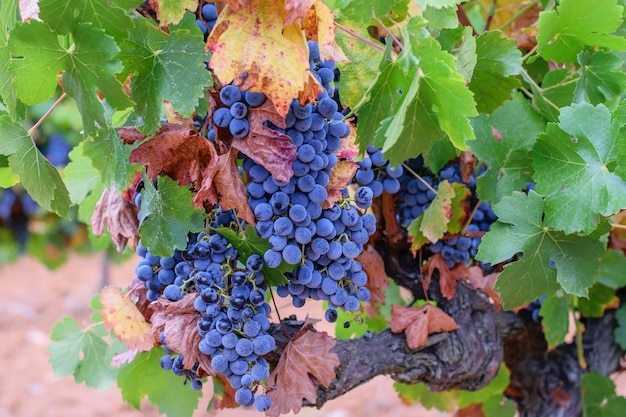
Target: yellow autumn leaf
(122,316)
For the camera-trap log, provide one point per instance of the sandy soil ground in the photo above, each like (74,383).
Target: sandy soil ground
(33,299)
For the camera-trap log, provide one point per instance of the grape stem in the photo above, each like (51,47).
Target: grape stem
(416,175)
(359,37)
(396,41)
(47,114)
(618,226)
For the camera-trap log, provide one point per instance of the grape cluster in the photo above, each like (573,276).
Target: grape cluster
(234,115)
(233,315)
(209,17)
(322,242)
(375,172)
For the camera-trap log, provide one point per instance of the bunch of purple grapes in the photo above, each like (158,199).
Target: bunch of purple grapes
(234,115)
(375,172)
(209,17)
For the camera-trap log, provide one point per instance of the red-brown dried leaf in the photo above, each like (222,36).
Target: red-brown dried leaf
(227,189)
(130,134)
(560,397)
(447,279)
(419,322)
(472,410)
(377,280)
(311,90)
(319,26)
(266,146)
(120,315)
(179,152)
(467,162)
(486,284)
(178,320)
(296,9)
(340,176)
(227,399)
(117,214)
(306,362)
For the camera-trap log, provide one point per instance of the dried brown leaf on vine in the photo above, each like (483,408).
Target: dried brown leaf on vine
(296,9)
(377,280)
(130,134)
(117,214)
(251,49)
(226,398)
(419,322)
(467,162)
(447,279)
(319,25)
(175,118)
(227,190)
(120,315)
(472,410)
(307,362)
(486,284)
(266,146)
(617,237)
(340,176)
(178,321)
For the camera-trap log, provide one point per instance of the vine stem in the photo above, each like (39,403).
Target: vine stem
(618,226)
(359,37)
(519,13)
(418,176)
(47,114)
(395,39)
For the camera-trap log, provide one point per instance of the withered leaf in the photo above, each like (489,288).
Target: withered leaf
(121,315)
(178,320)
(467,162)
(447,279)
(227,397)
(266,146)
(319,25)
(348,148)
(306,362)
(296,9)
(117,214)
(486,284)
(377,280)
(472,410)
(340,176)
(418,322)
(228,190)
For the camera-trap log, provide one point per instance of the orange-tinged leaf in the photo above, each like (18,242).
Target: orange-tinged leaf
(236,5)
(485,283)
(418,322)
(340,176)
(178,320)
(226,396)
(348,148)
(472,410)
(118,215)
(250,49)
(296,9)
(266,146)
(319,25)
(228,190)
(121,315)
(306,362)
(377,280)
(447,279)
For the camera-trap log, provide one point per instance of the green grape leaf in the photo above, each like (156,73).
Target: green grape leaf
(508,160)
(602,79)
(110,156)
(64,15)
(499,407)
(362,10)
(39,177)
(87,66)
(171,67)
(555,323)
(495,76)
(572,168)
(91,367)
(250,243)
(8,95)
(600,298)
(520,229)
(358,74)
(437,96)
(442,18)
(495,388)
(564,32)
(168,216)
(80,176)
(7,178)
(620,330)
(557,91)
(598,396)
(612,267)
(173,11)
(442,401)
(383,96)
(466,57)
(143,377)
